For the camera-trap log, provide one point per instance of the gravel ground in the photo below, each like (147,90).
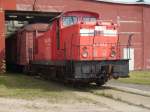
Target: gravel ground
(97,104)
(19,105)
(66,99)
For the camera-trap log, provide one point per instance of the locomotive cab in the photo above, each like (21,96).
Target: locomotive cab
(88,38)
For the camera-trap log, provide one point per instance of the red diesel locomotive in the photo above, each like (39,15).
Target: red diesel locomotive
(77,46)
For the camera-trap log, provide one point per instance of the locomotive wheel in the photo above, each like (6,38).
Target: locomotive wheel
(29,70)
(26,69)
(103,79)
(100,82)
(115,77)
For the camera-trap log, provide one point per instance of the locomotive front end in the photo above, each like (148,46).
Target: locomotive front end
(99,41)
(92,48)
(99,53)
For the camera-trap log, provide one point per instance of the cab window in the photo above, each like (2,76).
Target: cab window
(89,19)
(69,20)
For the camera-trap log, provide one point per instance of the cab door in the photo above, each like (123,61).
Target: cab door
(59,50)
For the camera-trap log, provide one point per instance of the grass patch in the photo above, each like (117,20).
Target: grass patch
(26,87)
(137,77)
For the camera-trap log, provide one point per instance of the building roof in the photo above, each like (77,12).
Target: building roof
(146,2)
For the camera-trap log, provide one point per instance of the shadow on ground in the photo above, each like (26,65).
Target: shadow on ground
(20,81)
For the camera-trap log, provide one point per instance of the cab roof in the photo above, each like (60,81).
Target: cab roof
(81,12)
(76,12)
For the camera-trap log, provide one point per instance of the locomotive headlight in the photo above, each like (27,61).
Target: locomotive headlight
(84,52)
(113,53)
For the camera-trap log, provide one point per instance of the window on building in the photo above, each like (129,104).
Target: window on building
(69,20)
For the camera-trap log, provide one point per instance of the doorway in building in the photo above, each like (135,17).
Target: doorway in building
(16,22)
(128,53)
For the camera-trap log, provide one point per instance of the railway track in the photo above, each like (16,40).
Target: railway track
(120,99)
(127,96)
(80,99)
(117,96)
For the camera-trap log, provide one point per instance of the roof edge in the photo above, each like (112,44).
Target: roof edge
(121,2)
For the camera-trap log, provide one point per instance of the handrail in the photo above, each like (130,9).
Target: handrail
(104,20)
(118,44)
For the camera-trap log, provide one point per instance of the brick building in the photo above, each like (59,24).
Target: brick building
(133,18)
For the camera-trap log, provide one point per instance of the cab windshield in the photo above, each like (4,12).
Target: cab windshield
(89,19)
(69,20)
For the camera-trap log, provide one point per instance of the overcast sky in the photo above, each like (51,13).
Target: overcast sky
(126,0)
(131,0)
(148,1)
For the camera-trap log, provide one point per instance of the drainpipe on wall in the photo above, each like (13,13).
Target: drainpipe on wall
(34,4)
(143,38)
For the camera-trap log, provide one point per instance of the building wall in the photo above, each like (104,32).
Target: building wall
(8,4)
(4,5)
(2,41)
(146,36)
(131,19)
